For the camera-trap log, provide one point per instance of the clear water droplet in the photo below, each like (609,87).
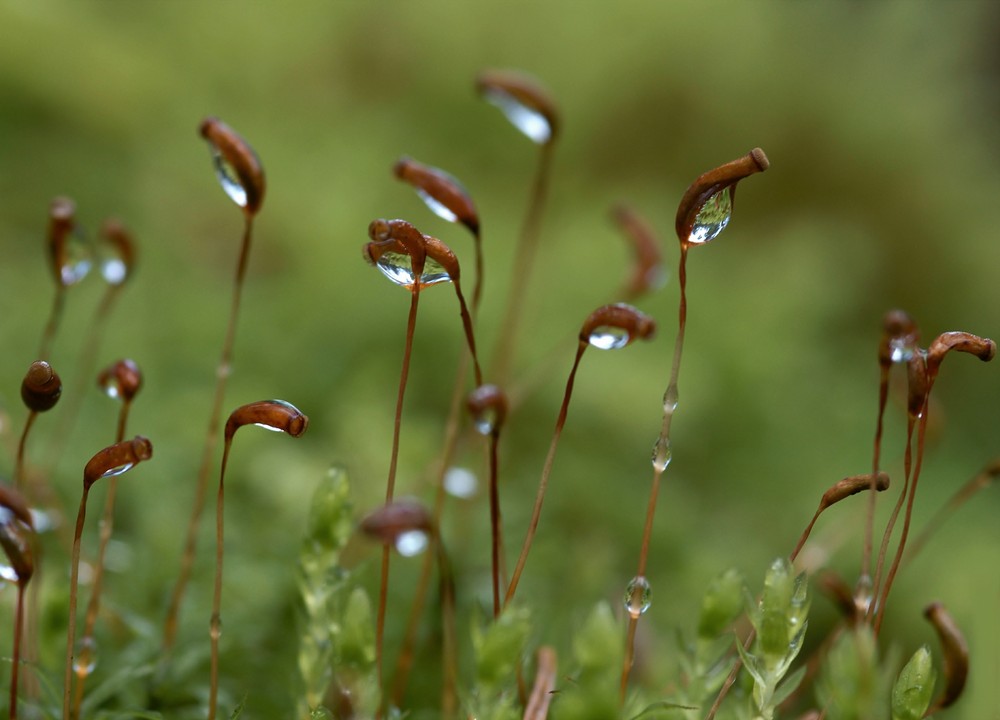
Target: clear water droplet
(215,627)
(399,269)
(44,521)
(529,121)
(118,470)
(609,337)
(78,256)
(485,421)
(437,208)
(670,399)
(638,596)
(8,574)
(85,657)
(662,455)
(461,482)
(228,178)
(110,386)
(863,594)
(713,217)
(411,542)
(901,350)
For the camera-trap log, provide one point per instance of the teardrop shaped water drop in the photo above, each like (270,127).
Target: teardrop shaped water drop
(713,217)
(228,178)
(411,542)
(85,657)
(529,121)
(638,596)
(397,267)
(670,399)
(77,258)
(609,337)
(662,454)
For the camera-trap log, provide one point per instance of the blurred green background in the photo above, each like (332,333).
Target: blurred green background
(880,121)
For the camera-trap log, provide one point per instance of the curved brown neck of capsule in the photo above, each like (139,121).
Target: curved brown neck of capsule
(240,157)
(983,348)
(710,183)
(647,270)
(400,237)
(62,224)
(956,656)
(635,324)
(115,233)
(525,90)
(124,454)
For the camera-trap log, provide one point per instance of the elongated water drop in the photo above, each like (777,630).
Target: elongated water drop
(662,454)
(713,217)
(411,542)
(228,179)
(215,627)
(863,593)
(638,596)
(670,399)
(525,104)
(85,657)
(609,337)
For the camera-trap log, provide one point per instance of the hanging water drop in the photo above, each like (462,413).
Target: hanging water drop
(638,596)
(662,454)
(863,594)
(485,421)
(215,627)
(609,337)
(461,482)
(117,470)
(526,104)
(75,259)
(411,542)
(712,217)
(436,207)
(85,657)
(228,179)
(901,350)
(670,399)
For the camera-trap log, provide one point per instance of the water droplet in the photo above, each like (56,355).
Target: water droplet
(670,399)
(609,337)
(713,217)
(528,120)
(638,596)
(215,627)
(228,178)
(110,386)
(436,207)
(461,482)
(85,657)
(411,542)
(118,470)
(901,350)
(863,594)
(44,521)
(399,269)
(8,574)
(77,257)
(485,421)
(662,454)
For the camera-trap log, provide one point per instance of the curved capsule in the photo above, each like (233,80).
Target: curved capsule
(117,459)
(614,326)
(387,523)
(276,415)
(123,380)
(705,208)
(69,254)
(647,273)
(117,257)
(523,100)
(442,193)
(238,168)
(956,656)
(488,406)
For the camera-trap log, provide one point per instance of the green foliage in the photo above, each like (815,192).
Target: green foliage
(914,688)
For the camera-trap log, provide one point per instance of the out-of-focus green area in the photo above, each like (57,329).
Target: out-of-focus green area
(880,121)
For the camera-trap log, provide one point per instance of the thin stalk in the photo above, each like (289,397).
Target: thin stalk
(215,624)
(660,460)
(52,326)
(495,531)
(18,626)
(19,466)
(524,260)
(883,393)
(107,528)
(449,652)
(73,586)
(543,483)
(390,487)
(222,374)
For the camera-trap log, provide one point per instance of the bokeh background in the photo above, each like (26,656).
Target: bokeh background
(881,123)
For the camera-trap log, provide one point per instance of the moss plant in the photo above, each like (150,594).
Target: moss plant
(359,647)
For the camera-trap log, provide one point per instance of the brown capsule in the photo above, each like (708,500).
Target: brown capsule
(16,544)
(614,326)
(709,184)
(956,656)
(117,459)
(276,415)
(488,406)
(391,239)
(917,384)
(15,503)
(41,387)
(387,523)
(647,273)
(852,486)
(442,193)
(232,153)
(983,348)
(121,380)
(119,259)
(523,100)
(62,226)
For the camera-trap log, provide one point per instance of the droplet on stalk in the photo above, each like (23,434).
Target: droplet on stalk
(638,596)
(441,192)
(522,99)
(121,381)
(488,406)
(69,252)
(116,253)
(612,327)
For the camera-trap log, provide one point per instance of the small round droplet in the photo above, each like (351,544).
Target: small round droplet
(638,596)
(901,350)
(662,454)
(85,657)
(609,337)
(485,421)
(77,258)
(460,482)
(713,217)
(411,542)
(215,627)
